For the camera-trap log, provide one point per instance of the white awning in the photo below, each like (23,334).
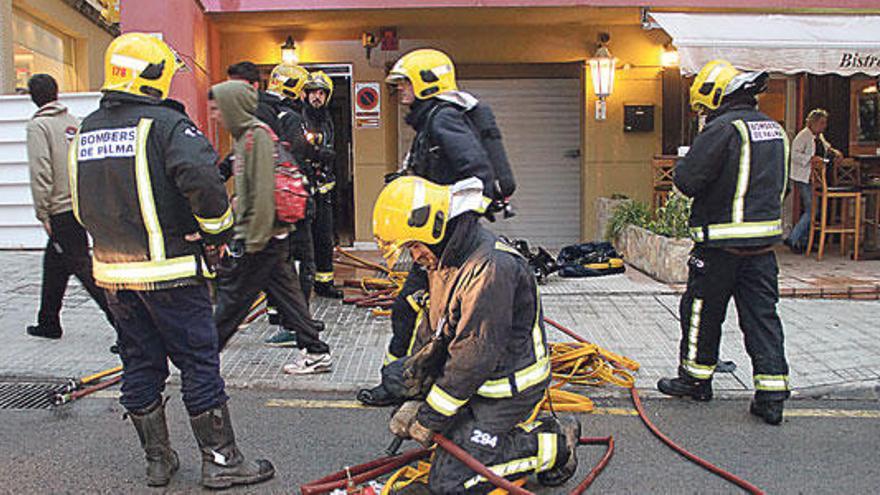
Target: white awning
(817,44)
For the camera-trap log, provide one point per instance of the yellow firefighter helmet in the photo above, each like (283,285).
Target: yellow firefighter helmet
(414,209)
(430,71)
(288,80)
(140,64)
(719,78)
(319,80)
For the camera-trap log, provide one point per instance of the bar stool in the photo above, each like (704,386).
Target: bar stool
(824,198)
(661,173)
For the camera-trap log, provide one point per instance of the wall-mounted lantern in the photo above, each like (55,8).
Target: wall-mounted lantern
(602,75)
(288,52)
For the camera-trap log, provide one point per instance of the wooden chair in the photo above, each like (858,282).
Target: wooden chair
(661,173)
(849,172)
(825,197)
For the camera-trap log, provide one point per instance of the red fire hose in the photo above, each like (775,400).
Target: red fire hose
(362,472)
(60,399)
(745,485)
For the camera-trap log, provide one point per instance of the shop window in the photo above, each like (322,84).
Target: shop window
(40,49)
(864,115)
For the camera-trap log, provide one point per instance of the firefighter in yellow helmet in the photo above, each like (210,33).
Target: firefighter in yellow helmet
(144,185)
(736,172)
(312,138)
(446,149)
(483,351)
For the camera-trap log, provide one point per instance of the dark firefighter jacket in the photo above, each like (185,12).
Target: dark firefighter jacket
(496,346)
(737,172)
(446,148)
(311,136)
(142,177)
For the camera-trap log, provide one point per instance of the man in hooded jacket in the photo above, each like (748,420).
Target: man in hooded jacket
(258,255)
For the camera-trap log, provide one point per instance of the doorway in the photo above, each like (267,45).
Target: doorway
(341,112)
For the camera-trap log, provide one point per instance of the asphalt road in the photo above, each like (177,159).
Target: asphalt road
(86,447)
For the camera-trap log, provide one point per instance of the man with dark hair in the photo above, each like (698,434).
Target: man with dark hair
(49,133)
(267,106)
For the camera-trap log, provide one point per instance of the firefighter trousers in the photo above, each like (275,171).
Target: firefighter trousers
(404,313)
(491,430)
(714,276)
(268,270)
(155,326)
(323,237)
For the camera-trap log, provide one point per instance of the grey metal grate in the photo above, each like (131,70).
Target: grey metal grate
(26,394)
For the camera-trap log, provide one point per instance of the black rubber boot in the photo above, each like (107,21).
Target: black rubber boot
(686,387)
(162,461)
(327,289)
(223,465)
(45,331)
(378,396)
(768,410)
(565,469)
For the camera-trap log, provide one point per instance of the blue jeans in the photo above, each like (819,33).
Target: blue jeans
(801,231)
(155,326)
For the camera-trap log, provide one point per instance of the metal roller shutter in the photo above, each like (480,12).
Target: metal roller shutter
(540,120)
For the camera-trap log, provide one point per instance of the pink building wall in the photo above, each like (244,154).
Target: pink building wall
(184,26)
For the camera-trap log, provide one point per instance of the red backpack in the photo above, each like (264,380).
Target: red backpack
(291,185)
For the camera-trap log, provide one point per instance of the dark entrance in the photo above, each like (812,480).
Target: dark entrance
(340,110)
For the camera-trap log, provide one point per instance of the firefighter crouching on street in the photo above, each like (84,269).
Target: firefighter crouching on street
(144,185)
(445,150)
(484,346)
(736,171)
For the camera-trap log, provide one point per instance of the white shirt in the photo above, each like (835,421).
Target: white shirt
(802,149)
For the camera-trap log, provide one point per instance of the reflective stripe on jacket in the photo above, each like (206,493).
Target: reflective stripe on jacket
(737,173)
(142,177)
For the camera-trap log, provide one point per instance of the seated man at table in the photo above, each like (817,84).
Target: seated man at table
(808,148)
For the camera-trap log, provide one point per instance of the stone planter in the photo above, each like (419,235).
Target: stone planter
(604,211)
(661,257)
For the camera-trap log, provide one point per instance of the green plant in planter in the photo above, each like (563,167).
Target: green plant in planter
(671,220)
(628,213)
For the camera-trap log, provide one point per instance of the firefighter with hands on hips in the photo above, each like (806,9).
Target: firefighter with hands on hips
(736,172)
(144,185)
(482,355)
(312,138)
(445,150)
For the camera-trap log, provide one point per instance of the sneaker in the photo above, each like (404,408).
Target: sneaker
(686,387)
(47,332)
(305,363)
(282,338)
(768,410)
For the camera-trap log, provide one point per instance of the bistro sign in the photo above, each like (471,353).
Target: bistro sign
(856,60)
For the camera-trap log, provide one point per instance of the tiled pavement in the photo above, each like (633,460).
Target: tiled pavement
(830,343)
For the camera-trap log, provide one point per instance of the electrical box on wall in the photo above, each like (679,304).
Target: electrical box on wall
(638,118)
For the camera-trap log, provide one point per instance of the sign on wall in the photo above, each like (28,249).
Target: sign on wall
(367,105)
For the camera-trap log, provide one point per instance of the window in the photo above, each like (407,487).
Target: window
(864,123)
(40,49)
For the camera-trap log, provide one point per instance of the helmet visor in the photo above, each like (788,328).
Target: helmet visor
(391,251)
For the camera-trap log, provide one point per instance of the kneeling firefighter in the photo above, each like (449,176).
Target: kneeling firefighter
(737,172)
(144,186)
(482,355)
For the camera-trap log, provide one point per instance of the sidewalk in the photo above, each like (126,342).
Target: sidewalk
(831,344)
